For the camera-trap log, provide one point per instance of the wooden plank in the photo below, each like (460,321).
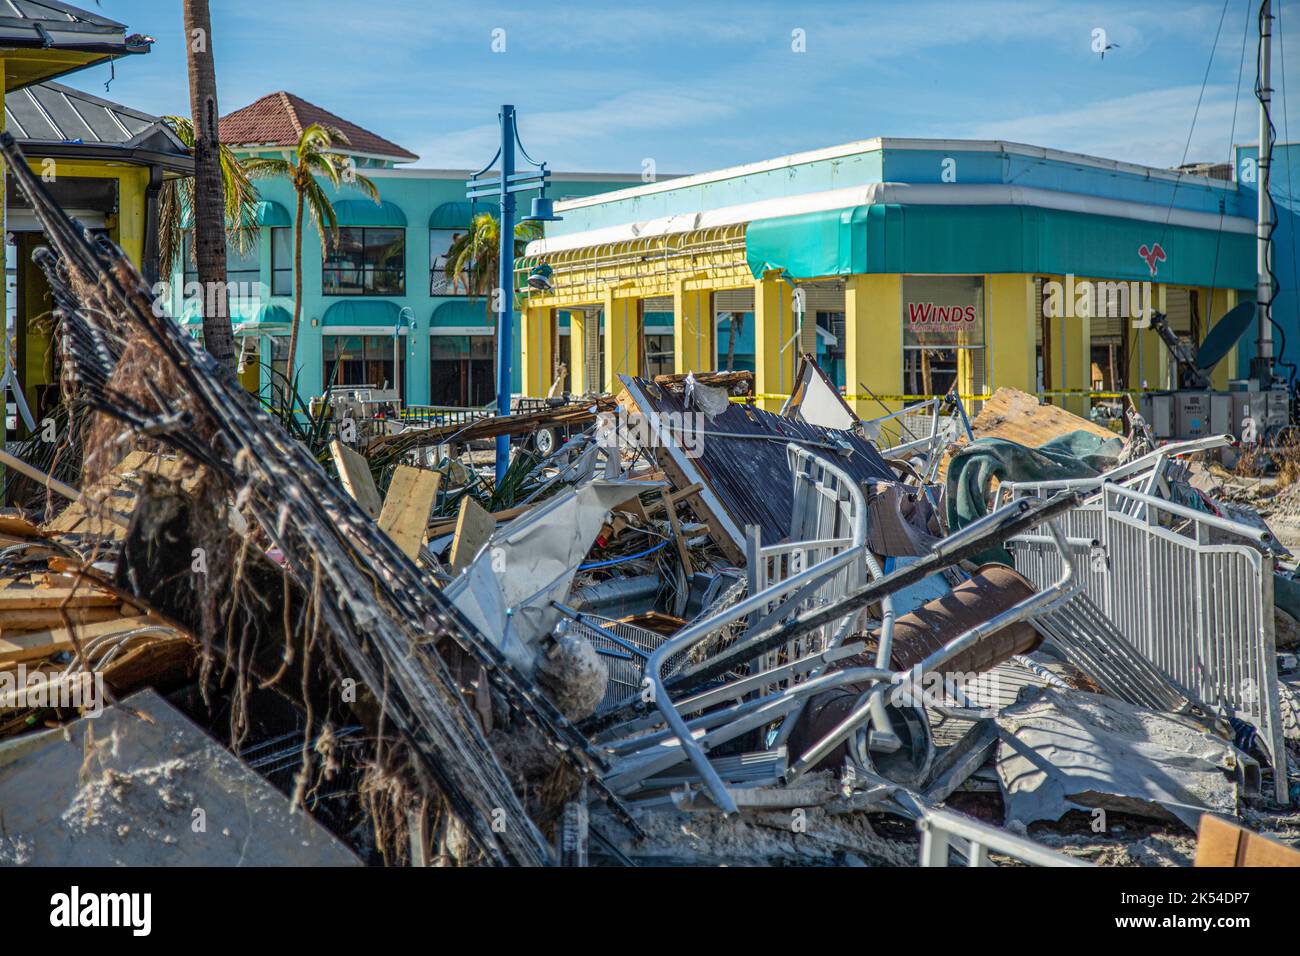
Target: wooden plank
(15,598)
(405,515)
(447,527)
(354,472)
(473,528)
(39,644)
(14,525)
(1220,843)
(682,552)
(35,619)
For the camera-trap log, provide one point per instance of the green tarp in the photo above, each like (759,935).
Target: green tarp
(971,472)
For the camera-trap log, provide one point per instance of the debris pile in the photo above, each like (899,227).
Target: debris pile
(678,629)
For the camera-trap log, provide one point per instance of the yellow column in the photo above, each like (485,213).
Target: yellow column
(873,341)
(622,343)
(693,330)
(538,362)
(1148,363)
(1072,358)
(1220,302)
(775,349)
(132,205)
(578,319)
(1010,314)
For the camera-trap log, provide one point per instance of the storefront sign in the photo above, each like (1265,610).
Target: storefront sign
(943,311)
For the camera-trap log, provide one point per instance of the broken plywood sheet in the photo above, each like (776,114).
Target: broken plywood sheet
(405,514)
(1071,750)
(474,526)
(123,789)
(105,507)
(1016,415)
(354,473)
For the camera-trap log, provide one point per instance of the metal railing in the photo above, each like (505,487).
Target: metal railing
(439,415)
(1191,591)
(944,830)
(773,690)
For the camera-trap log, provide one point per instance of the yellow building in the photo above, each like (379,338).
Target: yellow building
(907,266)
(104,163)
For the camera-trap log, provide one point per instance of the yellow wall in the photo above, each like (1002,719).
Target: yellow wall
(538,362)
(873,332)
(694,330)
(622,342)
(776,346)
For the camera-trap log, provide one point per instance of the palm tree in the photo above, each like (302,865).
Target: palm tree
(209,189)
(312,157)
(177,199)
(473,260)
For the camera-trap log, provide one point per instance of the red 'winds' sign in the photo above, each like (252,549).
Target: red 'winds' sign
(929,314)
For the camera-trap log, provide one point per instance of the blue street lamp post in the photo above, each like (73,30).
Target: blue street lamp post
(504,188)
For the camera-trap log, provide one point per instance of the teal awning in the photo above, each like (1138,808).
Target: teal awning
(271,213)
(362,314)
(459,314)
(364,212)
(969,240)
(249,315)
(451,215)
(266,320)
(266,212)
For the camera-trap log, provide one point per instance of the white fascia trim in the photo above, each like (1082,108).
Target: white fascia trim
(363,330)
(461,330)
(882,142)
(942,194)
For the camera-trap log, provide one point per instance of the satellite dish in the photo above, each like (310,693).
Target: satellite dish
(1224,336)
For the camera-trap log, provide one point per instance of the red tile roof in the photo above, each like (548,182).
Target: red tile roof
(279,118)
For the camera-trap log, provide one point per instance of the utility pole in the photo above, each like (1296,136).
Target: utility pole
(1262,367)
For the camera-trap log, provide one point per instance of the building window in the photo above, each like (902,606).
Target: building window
(280,362)
(362,360)
(245,269)
(366,261)
(461,370)
(282,261)
(943,334)
(830,345)
(659,354)
(440,243)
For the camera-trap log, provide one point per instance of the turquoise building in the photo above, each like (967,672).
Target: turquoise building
(382,284)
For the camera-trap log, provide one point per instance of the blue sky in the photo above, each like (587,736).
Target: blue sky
(603,86)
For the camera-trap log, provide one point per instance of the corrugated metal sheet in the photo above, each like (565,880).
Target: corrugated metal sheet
(750,475)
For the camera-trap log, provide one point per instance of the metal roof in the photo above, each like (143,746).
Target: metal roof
(53,25)
(53,115)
